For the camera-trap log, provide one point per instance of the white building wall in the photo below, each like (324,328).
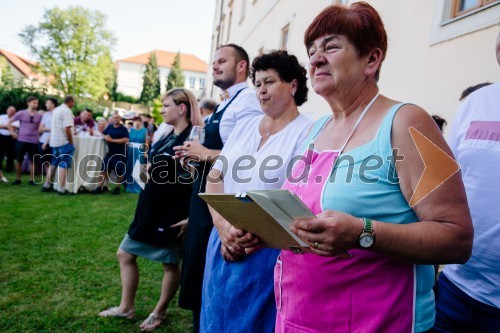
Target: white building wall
(195,81)
(428,63)
(129,78)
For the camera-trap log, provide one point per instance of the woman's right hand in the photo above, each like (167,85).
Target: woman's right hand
(230,249)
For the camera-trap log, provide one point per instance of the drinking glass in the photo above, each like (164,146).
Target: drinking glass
(197,134)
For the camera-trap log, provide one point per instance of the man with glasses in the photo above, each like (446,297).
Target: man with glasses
(27,137)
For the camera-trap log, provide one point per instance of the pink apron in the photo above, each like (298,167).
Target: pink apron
(366,293)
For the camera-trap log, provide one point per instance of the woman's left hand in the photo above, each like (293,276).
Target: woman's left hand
(246,240)
(183,225)
(331,233)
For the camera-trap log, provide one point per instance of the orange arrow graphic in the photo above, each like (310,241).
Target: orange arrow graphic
(438,166)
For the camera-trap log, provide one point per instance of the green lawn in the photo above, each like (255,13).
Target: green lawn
(58,266)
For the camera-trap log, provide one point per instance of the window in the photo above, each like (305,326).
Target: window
(221,30)
(192,82)
(461,7)
(229,25)
(202,82)
(455,18)
(284,36)
(243,8)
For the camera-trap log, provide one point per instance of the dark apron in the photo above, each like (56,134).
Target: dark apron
(200,223)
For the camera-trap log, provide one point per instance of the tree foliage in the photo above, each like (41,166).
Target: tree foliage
(156,111)
(175,77)
(17,96)
(113,85)
(72,47)
(150,81)
(6,76)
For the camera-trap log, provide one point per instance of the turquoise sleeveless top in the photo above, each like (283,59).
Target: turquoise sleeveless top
(364,183)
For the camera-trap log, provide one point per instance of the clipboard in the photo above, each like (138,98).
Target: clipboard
(265,213)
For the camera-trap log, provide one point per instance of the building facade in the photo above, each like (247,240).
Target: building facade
(437,48)
(130,72)
(23,70)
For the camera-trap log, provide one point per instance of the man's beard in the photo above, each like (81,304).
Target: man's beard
(225,82)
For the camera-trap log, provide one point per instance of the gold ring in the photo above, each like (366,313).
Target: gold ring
(315,245)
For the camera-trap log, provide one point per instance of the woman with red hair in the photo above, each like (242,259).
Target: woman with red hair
(370,265)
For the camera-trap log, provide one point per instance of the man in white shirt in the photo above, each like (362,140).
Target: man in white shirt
(7,142)
(230,69)
(468,295)
(44,130)
(61,141)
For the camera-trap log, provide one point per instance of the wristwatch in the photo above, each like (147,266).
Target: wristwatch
(367,238)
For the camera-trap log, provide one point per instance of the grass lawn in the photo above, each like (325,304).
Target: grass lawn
(58,264)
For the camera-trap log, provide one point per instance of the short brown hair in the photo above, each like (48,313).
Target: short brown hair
(359,22)
(239,55)
(32,98)
(68,99)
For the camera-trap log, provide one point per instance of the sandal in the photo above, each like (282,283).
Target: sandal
(149,324)
(115,312)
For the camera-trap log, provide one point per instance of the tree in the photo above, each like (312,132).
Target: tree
(175,77)
(156,111)
(72,47)
(112,85)
(6,76)
(150,80)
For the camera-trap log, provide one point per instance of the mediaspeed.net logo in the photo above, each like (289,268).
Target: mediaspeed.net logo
(438,166)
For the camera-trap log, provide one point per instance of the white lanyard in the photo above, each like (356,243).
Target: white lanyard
(353,129)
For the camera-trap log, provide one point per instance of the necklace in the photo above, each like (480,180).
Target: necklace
(269,131)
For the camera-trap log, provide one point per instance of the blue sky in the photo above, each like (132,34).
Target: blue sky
(139,25)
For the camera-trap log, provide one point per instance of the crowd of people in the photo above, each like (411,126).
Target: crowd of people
(43,141)
(371,260)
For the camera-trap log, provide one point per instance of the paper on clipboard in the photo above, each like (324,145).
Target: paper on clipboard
(266,213)
(283,206)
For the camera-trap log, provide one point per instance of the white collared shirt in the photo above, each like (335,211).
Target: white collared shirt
(62,117)
(245,105)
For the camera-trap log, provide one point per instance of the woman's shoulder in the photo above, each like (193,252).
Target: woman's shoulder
(245,125)
(301,125)
(409,119)
(303,120)
(410,115)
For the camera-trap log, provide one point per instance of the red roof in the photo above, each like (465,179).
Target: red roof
(22,64)
(189,62)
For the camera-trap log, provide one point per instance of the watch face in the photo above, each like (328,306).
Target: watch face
(366,241)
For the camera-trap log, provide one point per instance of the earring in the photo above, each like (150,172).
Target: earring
(293,94)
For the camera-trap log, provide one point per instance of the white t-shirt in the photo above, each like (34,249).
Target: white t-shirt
(270,162)
(4,120)
(47,122)
(245,105)
(62,117)
(475,142)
